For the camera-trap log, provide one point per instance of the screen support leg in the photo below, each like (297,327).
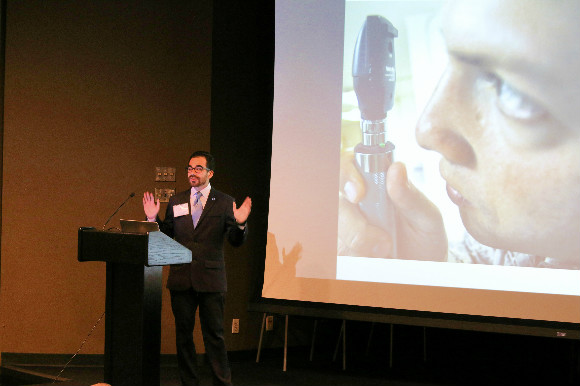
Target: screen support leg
(261,337)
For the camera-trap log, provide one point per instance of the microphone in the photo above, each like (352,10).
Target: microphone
(120,206)
(374,76)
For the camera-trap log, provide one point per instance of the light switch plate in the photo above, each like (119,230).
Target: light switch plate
(163,194)
(164,174)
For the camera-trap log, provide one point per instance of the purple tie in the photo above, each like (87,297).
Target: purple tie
(197,208)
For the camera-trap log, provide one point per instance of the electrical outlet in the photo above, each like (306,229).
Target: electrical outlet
(235,326)
(269,323)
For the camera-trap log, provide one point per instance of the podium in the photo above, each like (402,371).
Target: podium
(133,299)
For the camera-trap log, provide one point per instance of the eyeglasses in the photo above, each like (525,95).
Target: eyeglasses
(197,169)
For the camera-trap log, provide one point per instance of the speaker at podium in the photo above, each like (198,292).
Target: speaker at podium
(134,260)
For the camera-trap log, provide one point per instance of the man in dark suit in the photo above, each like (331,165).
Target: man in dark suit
(200,219)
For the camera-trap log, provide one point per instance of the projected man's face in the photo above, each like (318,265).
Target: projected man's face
(505,119)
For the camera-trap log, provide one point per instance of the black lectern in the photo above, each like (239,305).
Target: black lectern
(133,299)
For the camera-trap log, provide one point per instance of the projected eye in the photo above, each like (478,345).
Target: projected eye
(521,119)
(513,103)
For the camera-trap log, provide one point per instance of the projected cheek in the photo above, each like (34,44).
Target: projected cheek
(526,201)
(497,204)
(527,172)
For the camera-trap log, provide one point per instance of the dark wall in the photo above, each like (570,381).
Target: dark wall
(241,135)
(97,94)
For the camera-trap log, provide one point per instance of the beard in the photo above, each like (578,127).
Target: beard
(196,182)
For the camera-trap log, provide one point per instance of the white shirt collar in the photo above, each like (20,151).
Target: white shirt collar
(204,194)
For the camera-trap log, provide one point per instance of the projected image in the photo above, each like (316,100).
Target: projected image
(459,142)
(449,132)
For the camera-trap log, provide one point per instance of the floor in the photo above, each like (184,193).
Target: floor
(453,358)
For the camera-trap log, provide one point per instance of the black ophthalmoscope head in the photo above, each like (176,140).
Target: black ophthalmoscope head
(373,68)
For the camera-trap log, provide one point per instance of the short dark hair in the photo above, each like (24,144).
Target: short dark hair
(209,160)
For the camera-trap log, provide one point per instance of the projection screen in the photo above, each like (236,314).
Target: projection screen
(369,93)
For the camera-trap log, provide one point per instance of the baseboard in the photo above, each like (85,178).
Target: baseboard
(34,359)
(97,360)
(39,369)
(80,360)
(22,376)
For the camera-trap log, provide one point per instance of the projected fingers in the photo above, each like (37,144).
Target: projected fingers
(351,182)
(421,234)
(356,237)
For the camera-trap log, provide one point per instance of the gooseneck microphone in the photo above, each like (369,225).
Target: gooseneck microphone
(374,76)
(120,206)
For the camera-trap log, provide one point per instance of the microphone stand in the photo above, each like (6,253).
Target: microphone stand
(120,206)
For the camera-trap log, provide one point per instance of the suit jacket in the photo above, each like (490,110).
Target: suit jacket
(207,271)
